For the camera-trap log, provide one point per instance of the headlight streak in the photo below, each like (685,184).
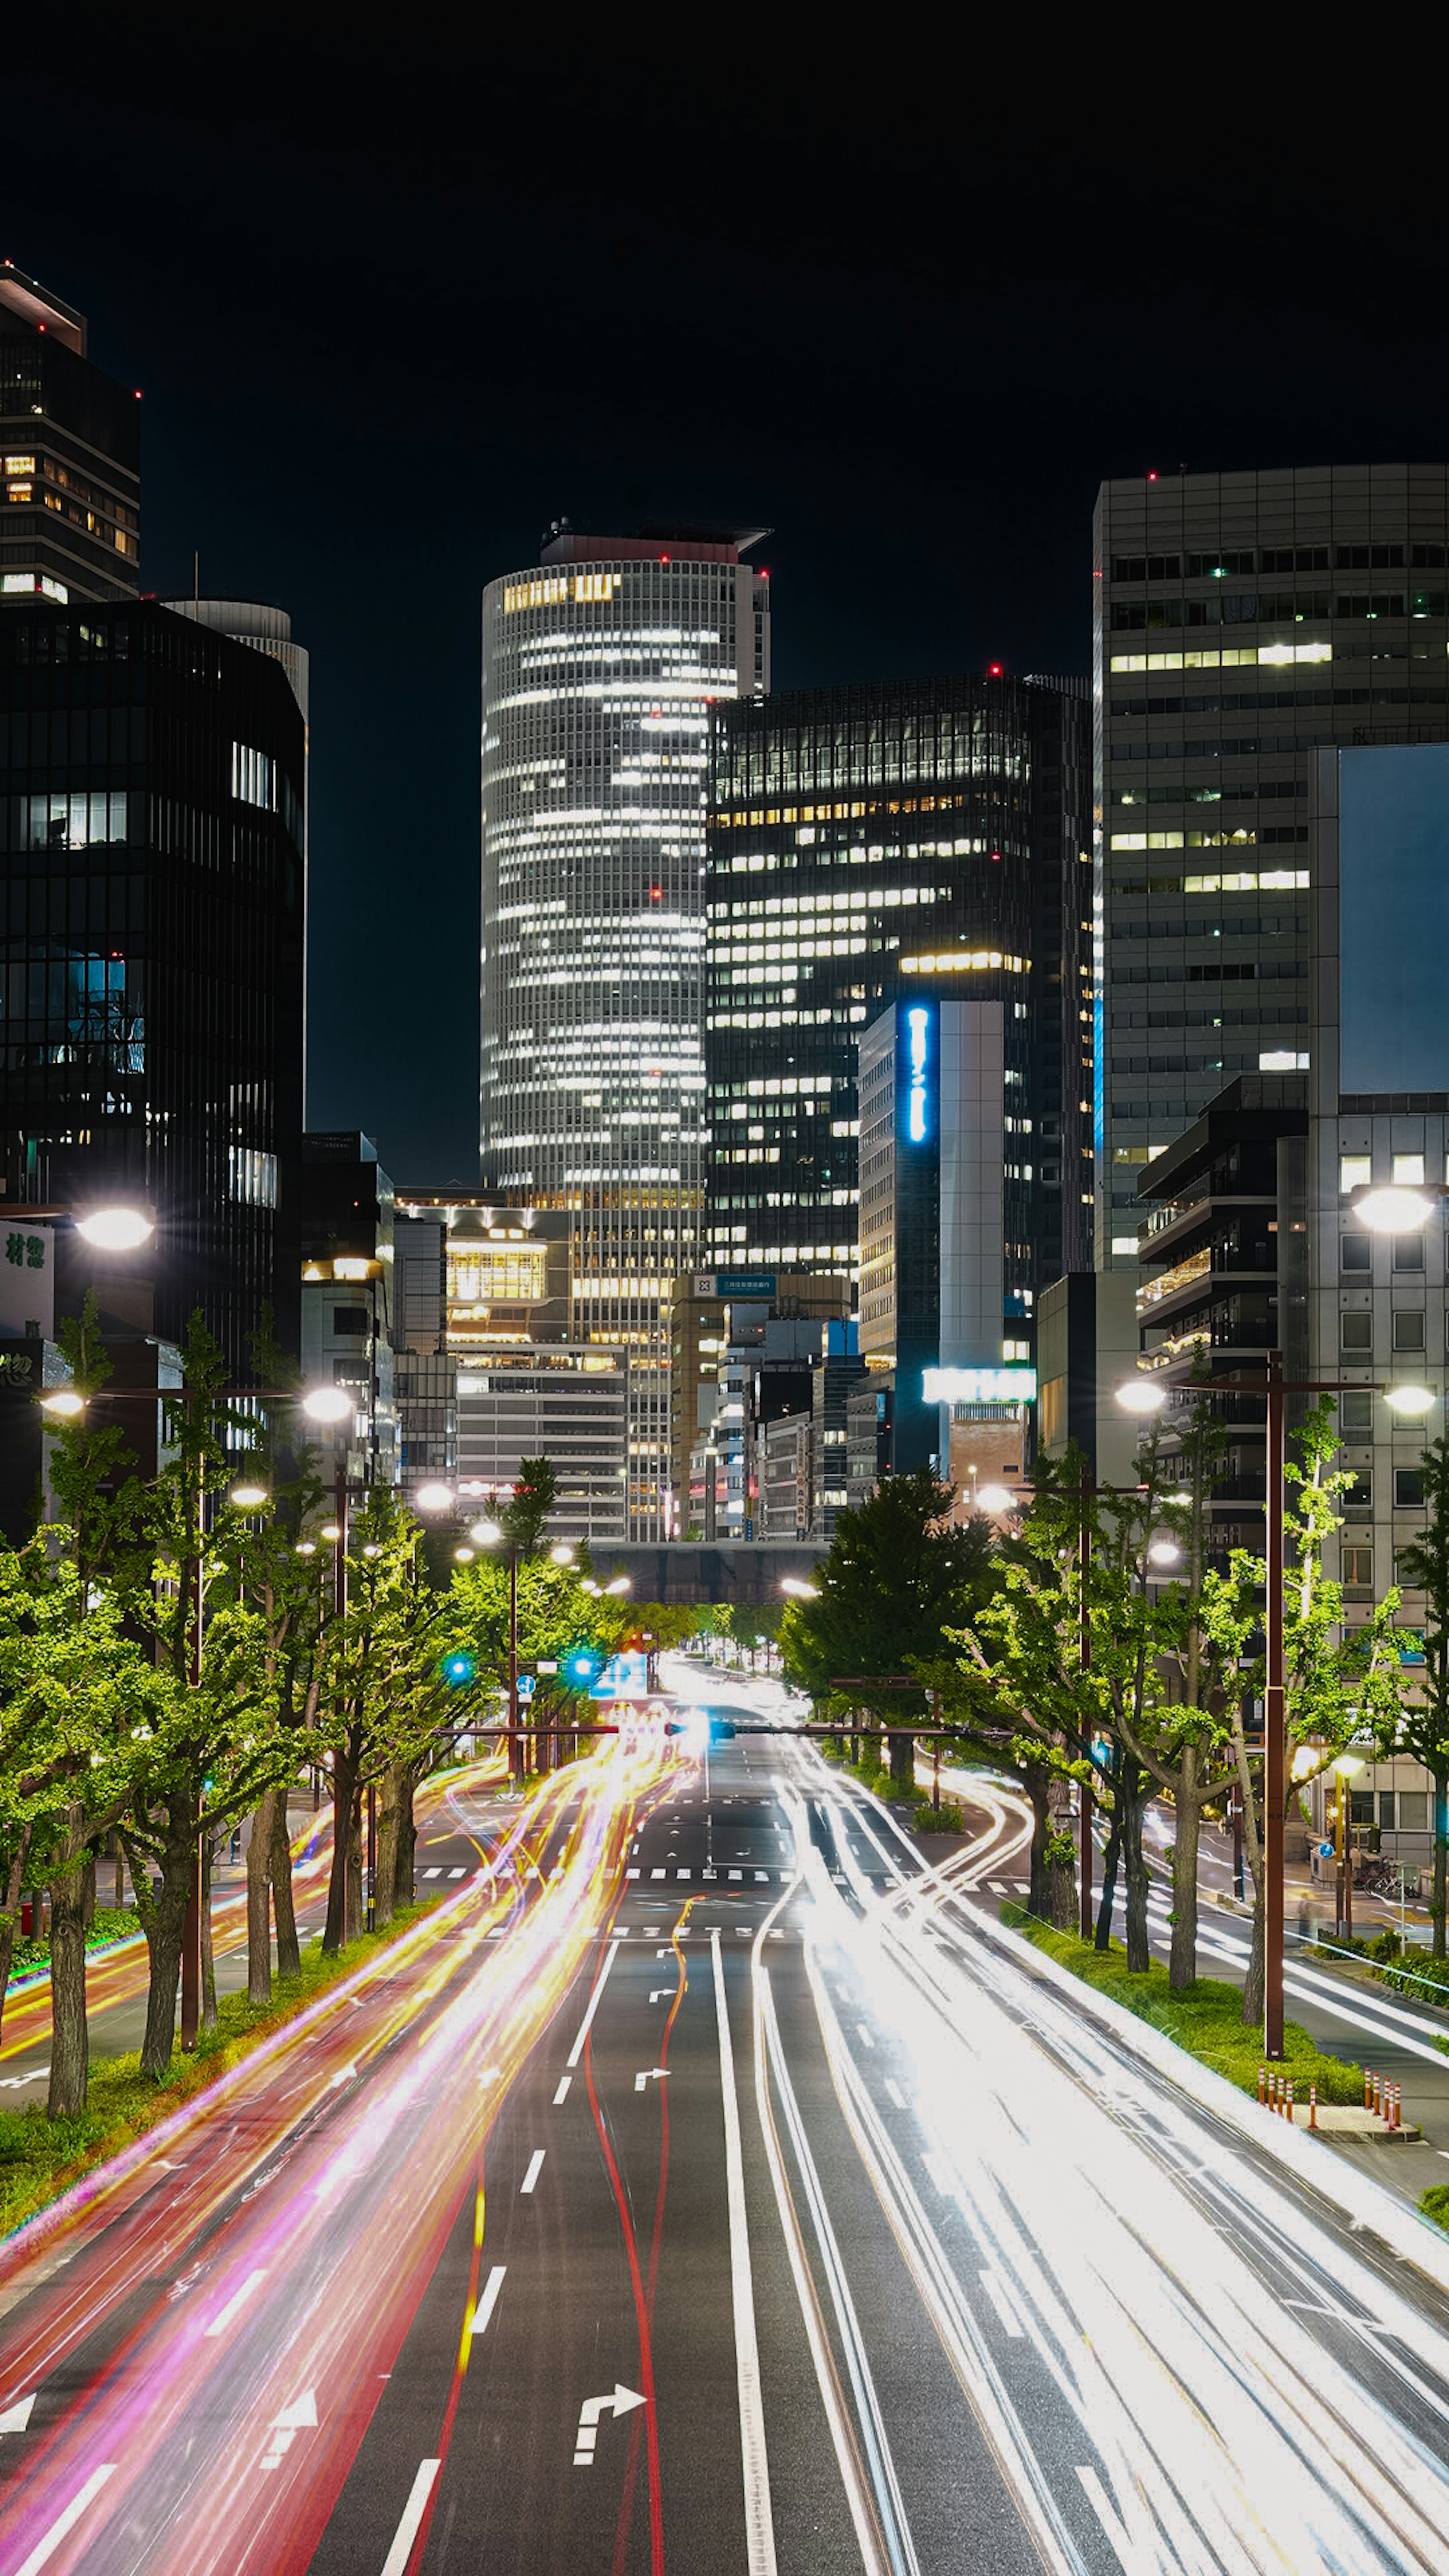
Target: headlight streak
(882,2534)
(1180,2364)
(182,2415)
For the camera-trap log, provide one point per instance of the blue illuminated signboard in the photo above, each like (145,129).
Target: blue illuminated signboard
(744,1283)
(916,1071)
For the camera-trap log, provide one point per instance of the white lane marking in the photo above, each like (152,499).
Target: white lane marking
(395,2563)
(535,2168)
(11,2083)
(896,2095)
(16,2417)
(734,1873)
(864,2035)
(1010,2322)
(563,2088)
(659,1873)
(762,1878)
(631,1873)
(432,1873)
(457,1873)
(46,2547)
(684,1873)
(234,2304)
(1133,2560)
(759,2528)
(577,2050)
(488,2302)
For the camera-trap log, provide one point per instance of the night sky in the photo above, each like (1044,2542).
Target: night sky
(392,313)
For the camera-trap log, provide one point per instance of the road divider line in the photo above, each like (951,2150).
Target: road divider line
(235,2304)
(535,2168)
(562,2094)
(759,2524)
(46,2547)
(577,2050)
(395,2563)
(488,2302)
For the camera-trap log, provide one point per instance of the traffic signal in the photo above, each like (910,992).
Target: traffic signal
(459,1670)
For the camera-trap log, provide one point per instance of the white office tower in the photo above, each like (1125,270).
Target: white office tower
(599,671)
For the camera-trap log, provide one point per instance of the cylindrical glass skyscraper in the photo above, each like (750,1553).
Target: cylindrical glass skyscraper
(599,670)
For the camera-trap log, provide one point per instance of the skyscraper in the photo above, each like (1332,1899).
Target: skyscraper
(599,671)
(889,842)
(70,450)
(1240,620)
(151,906)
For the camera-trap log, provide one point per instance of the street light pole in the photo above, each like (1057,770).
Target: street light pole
(1274,1724)
(515,1750)
(1084,1559)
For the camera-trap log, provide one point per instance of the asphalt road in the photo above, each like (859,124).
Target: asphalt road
(725,2192)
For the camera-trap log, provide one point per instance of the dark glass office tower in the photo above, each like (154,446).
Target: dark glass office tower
(872,844)
(152,886)
(70,456)
(1240,620)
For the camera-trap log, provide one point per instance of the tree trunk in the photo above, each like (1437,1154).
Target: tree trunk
(208,1955)
(404,1887)
(1253,1844)
(1182,1967)
(259,1927)
(1441,1861)
(1111,1862)
(10,1910)
(344,1801)
(119,1898)
(289,1953)
(1437,1905)
(1139,1956)
(384,1895)
(1039,1895)
(164,1926)
(72,1909)
(354,1868)
(1061,1859)
(903,1765)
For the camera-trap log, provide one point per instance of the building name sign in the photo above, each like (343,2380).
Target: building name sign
(734,1283)
(978,1385)
(918,1025)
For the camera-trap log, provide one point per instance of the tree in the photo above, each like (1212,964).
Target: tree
(899,1572)
(523,1516)
(1338,1682)
(1423,1720)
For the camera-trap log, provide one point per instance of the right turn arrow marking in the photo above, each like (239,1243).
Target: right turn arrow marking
(622,2402)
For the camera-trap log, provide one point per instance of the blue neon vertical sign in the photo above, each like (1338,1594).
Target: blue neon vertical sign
(917,1070)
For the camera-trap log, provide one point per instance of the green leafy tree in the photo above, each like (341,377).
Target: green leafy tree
(1422,1721)
(1339,1682)
(898,1574)
(523,1517)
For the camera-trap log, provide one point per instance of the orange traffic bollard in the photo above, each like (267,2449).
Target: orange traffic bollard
(1262,2083)
(1313,2106)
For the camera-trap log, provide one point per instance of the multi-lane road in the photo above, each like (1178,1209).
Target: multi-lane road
(712,2186)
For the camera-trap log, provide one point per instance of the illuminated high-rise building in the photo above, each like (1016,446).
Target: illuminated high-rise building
(599,671)
(70,450)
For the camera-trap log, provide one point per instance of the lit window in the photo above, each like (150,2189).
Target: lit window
(253,778)
(1408,1170)
(20,465)
(253,1176)
(1355,1171)
(18,491)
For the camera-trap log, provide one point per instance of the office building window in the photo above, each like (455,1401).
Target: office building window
(253,777)
(1408,1170)
(1355,1171)
(1408,1252)
(1409,1329)
(1356,1332)
(1357,1567)
(253,1176)
(1413,1811)
(1356,1411)
(1356,1252)
(1408,1489)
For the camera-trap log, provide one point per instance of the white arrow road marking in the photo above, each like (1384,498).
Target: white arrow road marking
(300,2416)
(235,2304)
(649,2075)
(16,2417)
(11,2082)
(622,2402)
(395,2563)
(660,1994)
(535,2168)
(46,2547)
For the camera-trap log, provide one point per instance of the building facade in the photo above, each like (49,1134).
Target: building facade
(348,1307)
(565,1401)
(70,453)
(154,886)
(865,844)
(1240,621)
(599,670)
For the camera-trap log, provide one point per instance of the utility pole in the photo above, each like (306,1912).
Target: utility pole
(1085,1802)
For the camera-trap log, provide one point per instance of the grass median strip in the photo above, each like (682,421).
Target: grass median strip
(1205,2018)
(40,2158)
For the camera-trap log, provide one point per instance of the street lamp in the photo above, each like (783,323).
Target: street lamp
(64,1402)
(798,1590)
(115,1229)
(1394,1209)
(1140,1395)
(995,1499)
(327,1403)
(562,1554)
(434,1498)
(1412,1401)
(1163,1551)
(249,1498)
(1345,1766)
